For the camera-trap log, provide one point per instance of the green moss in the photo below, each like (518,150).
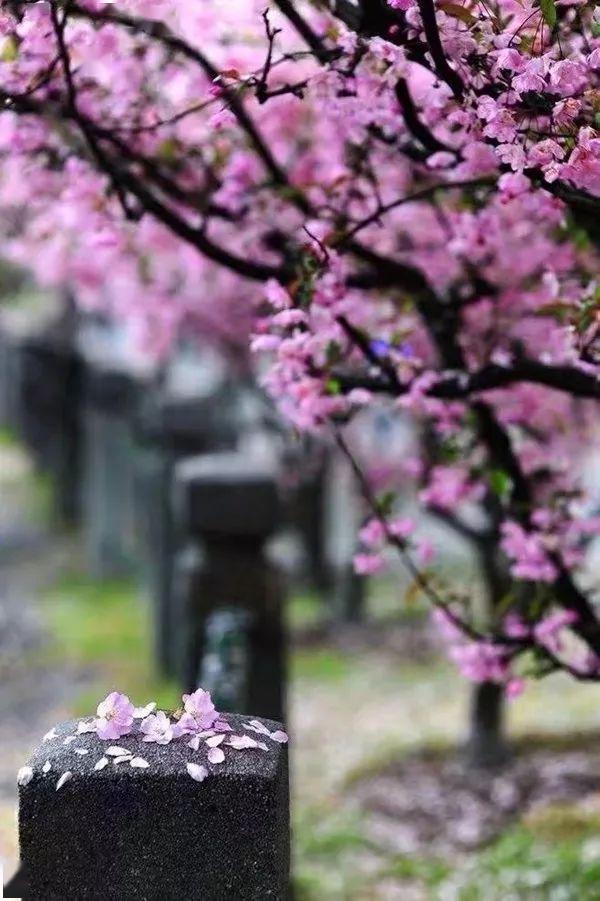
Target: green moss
(104,629)
(321,665)
(519,865)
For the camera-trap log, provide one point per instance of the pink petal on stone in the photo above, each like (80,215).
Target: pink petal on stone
(194,743)
(215,741)
(216,755)
(197,771)
(242,742)
(280,736)
(257,726)
(222,726)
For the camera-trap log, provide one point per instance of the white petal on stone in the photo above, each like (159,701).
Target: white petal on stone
(197,771)
(257,726)
(84,727)
(64,778)
(262,746)
(280,736)
(216,755)
(215,741)
(116,751)
(69,740)
(242,742)
(47,767)
(139,763)
(50,735)
(194,743)
(124,758)
(101,763)
(81,751)
(25,775)
(208,733)
(140,713)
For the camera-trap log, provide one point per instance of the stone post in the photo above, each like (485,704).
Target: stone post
(169,428)
(108,471)
(228,506)
(169,826)
(49,406)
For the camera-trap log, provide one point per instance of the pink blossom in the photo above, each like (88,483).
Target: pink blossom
(547,631)
(368,564)
(514,688)
(114,716)
(157,728)
(199,713)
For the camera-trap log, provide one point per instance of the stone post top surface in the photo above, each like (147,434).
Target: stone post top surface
(227,494)
(86,757)
(226,468)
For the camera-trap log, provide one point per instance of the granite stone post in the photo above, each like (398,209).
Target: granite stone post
(228,507)
(49,406)
(108,490)
(169,428)
(152,831)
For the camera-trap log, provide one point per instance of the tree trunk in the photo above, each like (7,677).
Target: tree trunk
(487,747)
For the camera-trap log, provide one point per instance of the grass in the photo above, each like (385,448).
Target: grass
(104,628)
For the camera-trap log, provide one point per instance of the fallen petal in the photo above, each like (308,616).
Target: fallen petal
(139,763)
(215,741)
(194,743)
(140,713)
(84,727)
(69,739)
(46,768)
(81,751)
(101,763)
(124,758)
(116,751)
(257,726)
(222,726)
(197,771)
(280,736)
(50,735)
(216,755)
(25,775)
(64,778)
(242,742)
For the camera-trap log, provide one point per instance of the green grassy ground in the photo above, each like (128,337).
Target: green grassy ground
(350,714)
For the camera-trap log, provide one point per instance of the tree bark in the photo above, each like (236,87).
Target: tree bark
(487,747)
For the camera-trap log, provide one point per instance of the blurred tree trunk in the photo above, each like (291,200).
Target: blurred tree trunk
(487,747)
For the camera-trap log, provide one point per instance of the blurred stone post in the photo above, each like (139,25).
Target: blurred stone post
(108,483)
(49,373)
(169,428)
(228,506)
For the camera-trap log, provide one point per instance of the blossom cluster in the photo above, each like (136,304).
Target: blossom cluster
(398,202)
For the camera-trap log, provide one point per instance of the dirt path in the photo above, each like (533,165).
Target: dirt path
(34,692)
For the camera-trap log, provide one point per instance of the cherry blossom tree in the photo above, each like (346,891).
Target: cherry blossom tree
(399,200)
